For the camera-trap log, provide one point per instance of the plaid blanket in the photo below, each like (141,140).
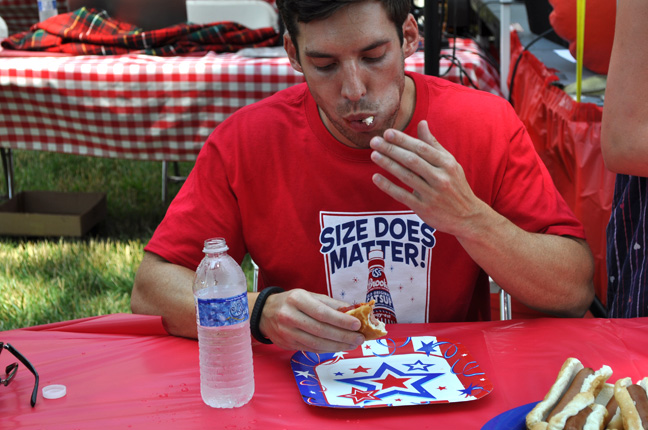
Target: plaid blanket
(89,31)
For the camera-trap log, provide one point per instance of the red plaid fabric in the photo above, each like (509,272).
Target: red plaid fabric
(89,31)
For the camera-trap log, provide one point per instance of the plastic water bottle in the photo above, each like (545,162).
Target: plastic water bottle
(224,342)
(46,9)
(4,30)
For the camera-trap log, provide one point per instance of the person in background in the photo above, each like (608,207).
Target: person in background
(368,181)
(624,144)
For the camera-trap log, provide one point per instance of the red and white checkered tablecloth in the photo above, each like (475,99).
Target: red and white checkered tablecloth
(153,108)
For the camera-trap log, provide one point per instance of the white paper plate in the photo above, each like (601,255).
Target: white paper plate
(409,371)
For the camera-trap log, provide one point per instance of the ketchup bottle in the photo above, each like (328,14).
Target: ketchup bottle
(377,288)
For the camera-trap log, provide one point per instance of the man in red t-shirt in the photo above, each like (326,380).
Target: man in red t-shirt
(368,182)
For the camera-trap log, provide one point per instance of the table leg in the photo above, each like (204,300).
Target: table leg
(165,169)
(166,178)
(7,166)
(505,44)
(505,306)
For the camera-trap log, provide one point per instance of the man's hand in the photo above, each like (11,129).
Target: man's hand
(547,272)
(439,194)
(300,320)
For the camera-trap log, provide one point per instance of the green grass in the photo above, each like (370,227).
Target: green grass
(44,280)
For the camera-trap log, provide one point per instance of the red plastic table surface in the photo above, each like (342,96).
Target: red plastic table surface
(157,108)
(124,371)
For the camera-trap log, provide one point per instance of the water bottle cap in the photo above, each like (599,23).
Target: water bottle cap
(54,391)
(216,244)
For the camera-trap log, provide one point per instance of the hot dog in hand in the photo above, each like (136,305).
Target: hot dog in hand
(370,327)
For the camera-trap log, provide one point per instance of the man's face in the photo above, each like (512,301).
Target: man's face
(353,63)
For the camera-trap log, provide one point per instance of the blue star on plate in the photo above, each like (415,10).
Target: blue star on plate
(428,348)
(469,389)
(418,366)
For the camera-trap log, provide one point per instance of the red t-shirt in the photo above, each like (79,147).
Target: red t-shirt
(275,184)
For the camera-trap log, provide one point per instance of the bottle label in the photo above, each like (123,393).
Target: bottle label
(46,5)
(222,312)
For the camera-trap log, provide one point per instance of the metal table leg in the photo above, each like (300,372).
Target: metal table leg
(166,178)
(165,169)
(7,166)
(505,306)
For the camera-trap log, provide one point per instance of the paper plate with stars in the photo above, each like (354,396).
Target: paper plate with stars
(409,371)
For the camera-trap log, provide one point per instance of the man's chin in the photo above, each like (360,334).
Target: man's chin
(357,139)
(358,142)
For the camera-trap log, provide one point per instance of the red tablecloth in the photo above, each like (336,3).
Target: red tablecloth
(151,108)
(123,371)
(567,135)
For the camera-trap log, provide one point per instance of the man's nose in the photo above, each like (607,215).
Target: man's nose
(353,86)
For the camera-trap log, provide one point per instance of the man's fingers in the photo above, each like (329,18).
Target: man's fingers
(301,320)
(330,313)
(399,146)
(322,309)
(426,135)
(405,169)
(409,199)
(322,342)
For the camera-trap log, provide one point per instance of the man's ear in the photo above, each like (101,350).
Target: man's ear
(291,50)
(410,36)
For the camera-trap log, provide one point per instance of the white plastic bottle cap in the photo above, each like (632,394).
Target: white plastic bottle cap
(54,391)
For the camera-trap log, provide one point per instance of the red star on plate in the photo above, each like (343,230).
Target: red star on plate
(361,369)
(441,388)
(360,396)
(392,381)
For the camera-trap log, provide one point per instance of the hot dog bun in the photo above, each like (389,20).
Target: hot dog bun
(575,391)
(370,327)
(612,419)
(633,412)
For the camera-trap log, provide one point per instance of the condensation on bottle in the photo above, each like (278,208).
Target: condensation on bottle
(224,341)
(46,9)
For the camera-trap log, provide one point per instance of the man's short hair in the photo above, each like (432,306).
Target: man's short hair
(294,11)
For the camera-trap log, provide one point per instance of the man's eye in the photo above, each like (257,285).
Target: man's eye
(325,67)
(374,59)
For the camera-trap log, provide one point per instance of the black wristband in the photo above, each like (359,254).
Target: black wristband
(255,318)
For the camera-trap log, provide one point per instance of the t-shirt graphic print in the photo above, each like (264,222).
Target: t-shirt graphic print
(384,256)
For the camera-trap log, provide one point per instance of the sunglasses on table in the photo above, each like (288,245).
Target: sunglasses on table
(12,369)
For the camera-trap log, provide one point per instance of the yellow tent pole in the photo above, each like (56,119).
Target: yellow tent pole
(580,43)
